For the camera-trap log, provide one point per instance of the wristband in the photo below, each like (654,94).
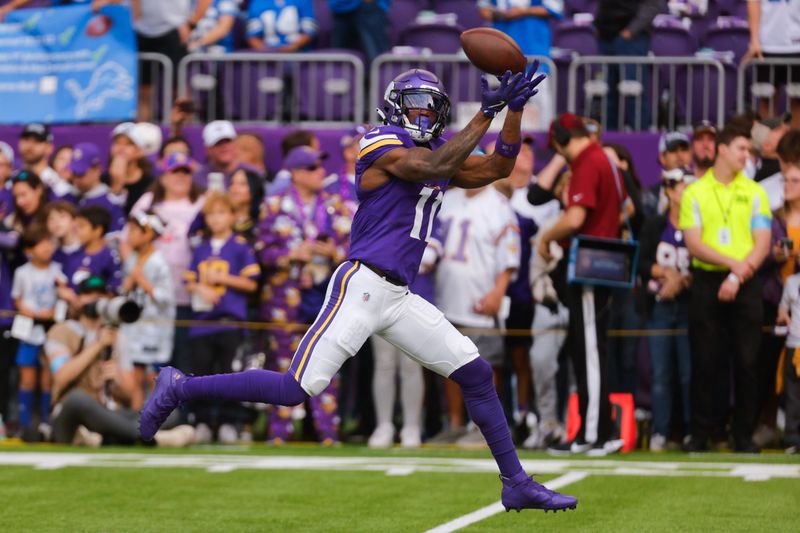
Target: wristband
(504,149)
(734,278)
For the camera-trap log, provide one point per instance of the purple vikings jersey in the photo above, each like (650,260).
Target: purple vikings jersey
(672,251)
(68,259)
(235,258)
(393,222)
(105,264)
(101,197)
(6,202)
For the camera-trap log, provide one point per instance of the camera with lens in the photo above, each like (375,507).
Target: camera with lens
(113,311)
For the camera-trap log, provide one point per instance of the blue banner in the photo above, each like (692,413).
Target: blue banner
(67,64)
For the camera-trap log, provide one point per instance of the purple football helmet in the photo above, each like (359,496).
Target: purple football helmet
(417,89)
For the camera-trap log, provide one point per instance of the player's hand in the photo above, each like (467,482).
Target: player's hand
(494,100)
(727,291)
(489,304)
(528,90)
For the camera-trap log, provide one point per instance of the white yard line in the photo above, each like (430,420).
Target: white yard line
(497,507)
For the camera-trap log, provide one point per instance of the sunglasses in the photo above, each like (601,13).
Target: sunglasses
(311,168)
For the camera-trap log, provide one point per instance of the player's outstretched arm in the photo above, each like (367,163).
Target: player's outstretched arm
(421,164)
(480,170)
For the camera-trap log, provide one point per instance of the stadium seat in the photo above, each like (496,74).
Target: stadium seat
(466,10)
(580,6)
(733,8)
(728,33)
(254,91)
(701,23)
(326,92)
(671,38)
(579,38)
(439,38)
(403,13)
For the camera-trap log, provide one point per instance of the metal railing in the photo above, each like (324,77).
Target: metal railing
(460,78)
(314,89)
(645,93)
(762,78)
(162,74)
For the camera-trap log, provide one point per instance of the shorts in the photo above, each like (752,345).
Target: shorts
(168,44)
(28,355)
(778,75)
(520,316)
(491,348)
(358,304)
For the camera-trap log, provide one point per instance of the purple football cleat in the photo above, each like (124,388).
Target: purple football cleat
(522,492)
(161,403)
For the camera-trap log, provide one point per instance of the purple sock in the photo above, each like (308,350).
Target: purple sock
(263,386)
(483,406)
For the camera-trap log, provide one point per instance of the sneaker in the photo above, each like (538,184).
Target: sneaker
(694,445)
(177,437)
(473,439)
(569,448)
(793,449)
(382,437)
(84,437)
(410,437)
(747,447)
(522,492)
(448,436)
(161,403)
(203,434)
(767,437)
(658,442)
(606,448)
(227,434)
(544,435)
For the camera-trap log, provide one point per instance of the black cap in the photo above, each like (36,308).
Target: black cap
(38,130)
(92,284)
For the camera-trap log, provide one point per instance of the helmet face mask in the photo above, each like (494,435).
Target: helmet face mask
(418,90)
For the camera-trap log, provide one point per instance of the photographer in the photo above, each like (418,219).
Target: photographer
(88,380)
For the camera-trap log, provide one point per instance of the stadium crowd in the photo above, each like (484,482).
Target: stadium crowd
(227,261)
(241,258)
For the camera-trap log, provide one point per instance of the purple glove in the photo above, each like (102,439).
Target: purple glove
(494,100)
(527,90)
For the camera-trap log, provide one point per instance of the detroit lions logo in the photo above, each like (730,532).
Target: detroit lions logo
(110,80)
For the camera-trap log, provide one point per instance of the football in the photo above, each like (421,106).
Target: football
(492,51)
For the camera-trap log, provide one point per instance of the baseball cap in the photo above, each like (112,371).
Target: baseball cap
(216,131)
(567,121)
(704,126)
(92,284)
(677,175)
(303,156)
(7,152)
(38,130)
(84,157)
(148,219)
(352,136)
(123,128)
(671,140)
(177,160)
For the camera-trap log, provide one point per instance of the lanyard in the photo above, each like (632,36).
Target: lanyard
(725,213)
(311,228)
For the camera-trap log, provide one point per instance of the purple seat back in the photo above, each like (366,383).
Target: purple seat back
(403,13)
(577,37)
(672,41)
(723,36)
(580,6)
(467,10)
(440,38)
(254,91)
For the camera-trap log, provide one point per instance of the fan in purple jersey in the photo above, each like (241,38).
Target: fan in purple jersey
(96,258)
(403,170)
(302,235)
(86,167)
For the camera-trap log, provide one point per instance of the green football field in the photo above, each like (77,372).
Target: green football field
(310,489)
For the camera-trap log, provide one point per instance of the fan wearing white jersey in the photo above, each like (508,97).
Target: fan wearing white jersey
(480,254)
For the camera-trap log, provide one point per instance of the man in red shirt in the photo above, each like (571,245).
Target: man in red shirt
(594,204)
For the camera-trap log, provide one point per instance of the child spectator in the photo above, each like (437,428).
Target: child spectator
(60,219)
(147,343)
(789,313)
(34,291)
(97,259)
(222,274)
(296,25)
(87,170)
(214,32)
